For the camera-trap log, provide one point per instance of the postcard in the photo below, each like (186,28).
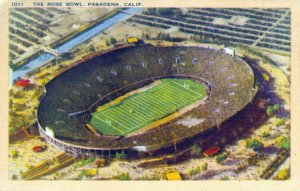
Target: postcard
(110,95)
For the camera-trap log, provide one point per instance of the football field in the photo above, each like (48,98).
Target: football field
(139,110)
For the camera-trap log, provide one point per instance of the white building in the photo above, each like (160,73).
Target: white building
(229,51)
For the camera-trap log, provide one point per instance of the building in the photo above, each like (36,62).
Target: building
(132,40)
(173,176)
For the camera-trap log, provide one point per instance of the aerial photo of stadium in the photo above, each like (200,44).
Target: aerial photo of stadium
(149,94)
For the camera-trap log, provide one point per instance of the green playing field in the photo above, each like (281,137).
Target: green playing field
(141,109)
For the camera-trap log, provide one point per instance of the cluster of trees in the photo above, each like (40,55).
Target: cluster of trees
(212,13)
(44,12)
(286,32)
(215,35)
(243,12)
(278,36)
(24,27)
(84,161)
(278,42)
(148,23)
(272,109)
(197,170)
(284,27)
(164,12)
(33,15)
(164,36)
(120,156)
(12,56)
(278,11)
(29,21)
(216,30)
(198,17)
(16,49)
(286,21)
(24,35)
(257,12)
(19,41)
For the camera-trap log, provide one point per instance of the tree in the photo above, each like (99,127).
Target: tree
(152,11)
(14,177)
(120,156)
(91,48)
(107,43)
(204,166)
(165,11)
(196,150)
(269,110)
(255,144)
(276,107)
(124,176)
(113,40)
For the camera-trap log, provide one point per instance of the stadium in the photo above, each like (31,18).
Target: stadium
(142,98)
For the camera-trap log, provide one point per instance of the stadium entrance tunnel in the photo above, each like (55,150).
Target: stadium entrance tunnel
(145,105)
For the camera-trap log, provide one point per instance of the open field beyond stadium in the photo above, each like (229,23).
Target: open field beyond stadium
(139,110)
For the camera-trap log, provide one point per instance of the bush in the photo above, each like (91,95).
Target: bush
(280,122)
(283,143)
(225,178)
(204,167)
(91,172)
(255,144)
(14,177)
(13,153)
(221,158)
(194,171)
(124,176)
(282,174)
(265,134)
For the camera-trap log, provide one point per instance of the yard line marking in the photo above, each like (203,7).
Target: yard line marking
(125,119)
(170,98)
(154,99)
(111,114)
(140,117)
(175,91)
(183,92)
(186,88)
(110,125)
(128,113)
(117,112)
(137,104)
(157,101)
(147,111)
(115,121)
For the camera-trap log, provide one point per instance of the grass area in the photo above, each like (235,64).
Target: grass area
(141,109)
